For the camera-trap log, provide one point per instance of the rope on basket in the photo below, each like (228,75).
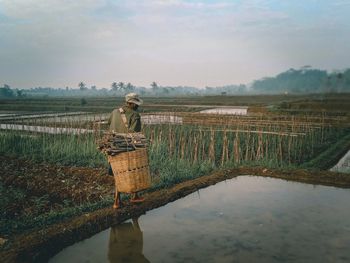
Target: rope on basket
(122,113)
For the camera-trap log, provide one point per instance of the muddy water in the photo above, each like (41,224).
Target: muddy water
(246,219)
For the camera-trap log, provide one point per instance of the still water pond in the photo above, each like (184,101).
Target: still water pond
(245,219)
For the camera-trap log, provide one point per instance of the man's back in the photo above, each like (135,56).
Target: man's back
(133,119)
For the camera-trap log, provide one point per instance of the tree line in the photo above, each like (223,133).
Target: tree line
(293,81)
(304,80)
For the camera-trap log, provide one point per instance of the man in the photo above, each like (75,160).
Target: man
(125,120)
(133,119)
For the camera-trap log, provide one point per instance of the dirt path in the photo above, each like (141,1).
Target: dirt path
(39,246)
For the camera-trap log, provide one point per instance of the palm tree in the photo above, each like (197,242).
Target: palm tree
(121,86)
(82,86)
(129,87)
(154,85)
(114,86)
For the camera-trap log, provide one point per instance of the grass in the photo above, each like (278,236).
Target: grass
(167,171)
(69,150)
(331,154)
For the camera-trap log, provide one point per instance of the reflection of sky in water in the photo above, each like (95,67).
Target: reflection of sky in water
(246,219)
(343,166)
(56,115)
(227,110)
(43,129)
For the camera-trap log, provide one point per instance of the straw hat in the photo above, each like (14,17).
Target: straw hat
(133,98)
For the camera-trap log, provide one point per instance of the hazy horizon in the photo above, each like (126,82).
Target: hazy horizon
(59,43)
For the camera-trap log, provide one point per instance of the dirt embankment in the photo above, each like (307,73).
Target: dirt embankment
(40,245)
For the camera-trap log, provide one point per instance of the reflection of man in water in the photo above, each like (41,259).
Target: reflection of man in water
(126,243)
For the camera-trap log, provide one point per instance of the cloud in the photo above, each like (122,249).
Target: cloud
(32,9)
(61,42)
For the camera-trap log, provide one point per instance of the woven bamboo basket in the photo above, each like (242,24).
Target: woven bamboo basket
(131,171)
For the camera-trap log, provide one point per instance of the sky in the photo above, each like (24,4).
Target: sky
(198,43)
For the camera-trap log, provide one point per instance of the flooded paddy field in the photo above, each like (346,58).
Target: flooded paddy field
(43,129)
(245,219)
(227,110)
(15,116)
(41,244)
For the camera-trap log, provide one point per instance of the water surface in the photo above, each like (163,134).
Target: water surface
(245,219)
(343,166)
(227,110)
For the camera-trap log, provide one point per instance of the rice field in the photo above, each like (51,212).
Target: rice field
(179,139)
(64,174)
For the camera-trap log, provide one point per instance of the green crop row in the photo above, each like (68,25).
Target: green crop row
(179,148)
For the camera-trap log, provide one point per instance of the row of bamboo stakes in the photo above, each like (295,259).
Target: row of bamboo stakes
(220,139)
(232,147)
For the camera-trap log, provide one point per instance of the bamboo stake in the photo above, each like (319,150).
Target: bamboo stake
(224,155)
(212,146)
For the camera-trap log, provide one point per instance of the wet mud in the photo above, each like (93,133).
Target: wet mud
(40,245)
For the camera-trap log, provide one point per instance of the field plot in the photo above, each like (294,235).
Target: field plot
(245,219)
(278,140)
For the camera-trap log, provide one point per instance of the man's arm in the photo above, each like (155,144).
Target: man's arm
(110,119)
(135,122)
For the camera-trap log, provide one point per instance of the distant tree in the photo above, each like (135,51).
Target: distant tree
(67,88)
(93,88)
(166,91)
(20,93)
(304,80)
(346,81)
(338,82)
(121,86)
(114,86)
(241,89)
(82,86)
(129,87)
(154,85)
(6,91)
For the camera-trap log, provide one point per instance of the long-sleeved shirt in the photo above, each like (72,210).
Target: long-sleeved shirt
(133,118)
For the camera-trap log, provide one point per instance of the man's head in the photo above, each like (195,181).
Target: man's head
(133,100)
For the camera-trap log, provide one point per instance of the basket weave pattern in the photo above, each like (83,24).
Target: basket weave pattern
(131,171)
